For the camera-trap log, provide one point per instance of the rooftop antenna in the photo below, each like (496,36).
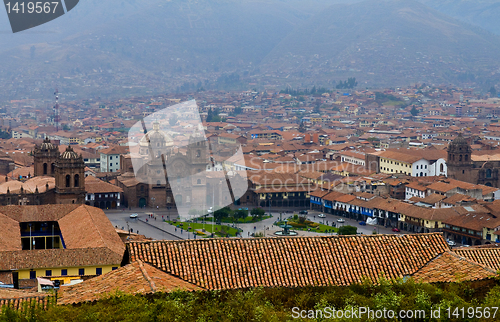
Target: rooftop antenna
(56,110)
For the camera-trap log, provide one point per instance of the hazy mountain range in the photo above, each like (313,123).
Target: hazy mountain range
(163,44)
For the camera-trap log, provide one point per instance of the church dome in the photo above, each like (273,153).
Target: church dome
(157,137)
(460,140)
(69,153)
(47,145)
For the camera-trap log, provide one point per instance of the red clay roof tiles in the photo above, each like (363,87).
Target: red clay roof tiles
(134,278)
(291,262)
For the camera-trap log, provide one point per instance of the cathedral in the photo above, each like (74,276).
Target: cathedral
(59,178)
(165,176)
(476,168)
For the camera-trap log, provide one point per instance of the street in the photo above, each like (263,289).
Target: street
(157,229)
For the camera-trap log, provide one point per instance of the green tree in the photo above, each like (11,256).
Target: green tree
(414,111)
(240,214)
(237,110)
(302,127)
(347,230)
(493,91)
(222,213)
(257,212)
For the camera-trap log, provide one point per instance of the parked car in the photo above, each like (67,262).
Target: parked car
(451,243)
(303,212)
(395,230)
(340,220)
(134,215)
(321,216)
(362,223)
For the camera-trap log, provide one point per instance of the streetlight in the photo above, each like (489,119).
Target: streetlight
(269,197)
(153,199)
(210,211)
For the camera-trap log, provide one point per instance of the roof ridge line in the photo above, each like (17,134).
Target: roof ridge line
(95,226)
(152,284)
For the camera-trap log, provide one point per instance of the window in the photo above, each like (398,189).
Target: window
(198,181)
(81,271)
(32,275)
(460,158)
(114,268)
(77,180)
(488,173)
(158,183)
(68,178)
(45,168)
(48,272)
(426,166)
(198,153)
(64,272)
(98,271)
(52,168)
(466,157)
(441,167)
(111,157)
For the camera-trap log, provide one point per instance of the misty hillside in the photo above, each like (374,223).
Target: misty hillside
(117,47)
(384,43)
(482,13)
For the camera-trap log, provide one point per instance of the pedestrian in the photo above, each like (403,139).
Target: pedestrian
(181,231)
(137,231)
(175,229)
(155,218)
(146,219)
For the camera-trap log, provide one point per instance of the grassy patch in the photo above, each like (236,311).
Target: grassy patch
(247,220)
(219,230)
(310,226)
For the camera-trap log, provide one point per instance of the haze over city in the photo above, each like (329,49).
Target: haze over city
(235,160)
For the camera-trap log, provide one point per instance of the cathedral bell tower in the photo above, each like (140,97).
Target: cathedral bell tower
(45,157)
(459,161)
(70,178)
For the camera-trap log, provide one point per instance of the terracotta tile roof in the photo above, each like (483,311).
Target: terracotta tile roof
(457,198)
(450,267)
(88,235)
(289,262)
(6,293)
(134,278)
(51,258)
(433,198)
(489,257)
(16,299)
(94,185)
(474,221)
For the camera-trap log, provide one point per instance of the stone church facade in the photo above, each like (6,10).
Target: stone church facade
(465,166)
(58,179)
(147,176)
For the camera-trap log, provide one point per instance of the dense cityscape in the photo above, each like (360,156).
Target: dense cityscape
(296,188)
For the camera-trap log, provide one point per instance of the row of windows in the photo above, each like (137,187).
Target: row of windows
(64,272)
(392,170)
(111,195)
(397,163)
